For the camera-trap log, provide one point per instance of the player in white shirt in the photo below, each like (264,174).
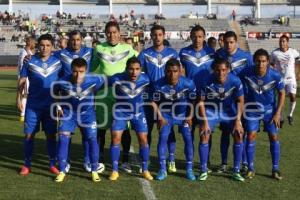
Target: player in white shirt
(29,49)
(283,59)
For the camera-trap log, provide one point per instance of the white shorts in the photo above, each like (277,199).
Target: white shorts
(291,88)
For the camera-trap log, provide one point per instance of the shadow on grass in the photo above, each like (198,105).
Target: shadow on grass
(8,77)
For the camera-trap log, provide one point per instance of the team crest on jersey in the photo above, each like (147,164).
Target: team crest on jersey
(260,82)
(221,90)
(159,58)
(44,65)
(229,59)
(75,56)
(172,92)
(78,90)
(198,55)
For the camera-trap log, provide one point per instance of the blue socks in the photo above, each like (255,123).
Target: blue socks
(244,155)
(251,154)
(224,145)
(237,156)
(144,155)
(86,149)
(275,153)
(93,153)
(203,153)
(28,150)
(188,147)
(63,151)
(51,147)
(115,155)
(172,145)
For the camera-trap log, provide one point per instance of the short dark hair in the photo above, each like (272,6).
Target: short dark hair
(219,61)
(229,34)
(131,61)
(197,28)
(158,27)
(74,32)
(211,39)
(261,52)
(284,37)
(111,24)
(79,62)
(46,36)
(172,62)
(221,35)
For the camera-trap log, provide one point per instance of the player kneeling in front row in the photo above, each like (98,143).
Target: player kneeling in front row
(174,94)
(128,88)
(75,93)
(261,83)
(221,100)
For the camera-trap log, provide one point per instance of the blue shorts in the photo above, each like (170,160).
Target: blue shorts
(168,128)
(252,122)
(86,123)
(33,118)
(137,121)
(225,120)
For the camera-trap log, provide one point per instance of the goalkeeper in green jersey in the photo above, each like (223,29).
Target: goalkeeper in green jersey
(110,58)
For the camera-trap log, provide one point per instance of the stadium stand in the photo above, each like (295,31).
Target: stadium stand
(154,2)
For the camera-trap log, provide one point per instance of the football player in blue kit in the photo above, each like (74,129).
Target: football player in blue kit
(261,84)
(153,61)
(75,94)
(238,60)
(75,49)
(173,100)
(128,88)
(221,100)
(41,70)
(197,56)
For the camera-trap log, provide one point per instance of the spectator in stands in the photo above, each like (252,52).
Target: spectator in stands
(212,42)
(69,16)
(132,15)
(233,14)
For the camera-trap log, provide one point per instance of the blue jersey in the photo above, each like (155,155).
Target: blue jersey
(66,57)
(179,96)
(194,61)
(261,91)
(78,98)
(238,61)
(41,75)
(129,94)
(154,62)
(220,96)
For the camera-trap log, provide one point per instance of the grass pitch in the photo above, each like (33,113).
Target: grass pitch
(78,185)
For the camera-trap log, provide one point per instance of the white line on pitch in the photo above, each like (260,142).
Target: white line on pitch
(147,189)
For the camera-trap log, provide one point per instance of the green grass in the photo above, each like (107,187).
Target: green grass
(40,185)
